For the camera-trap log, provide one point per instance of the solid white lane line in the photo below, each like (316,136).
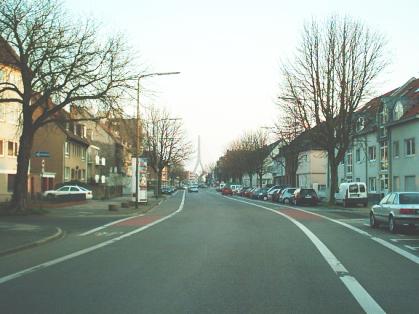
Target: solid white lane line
(397,240)
(108,224)
(413,248)
(368,304)
(394,248)
(89,249)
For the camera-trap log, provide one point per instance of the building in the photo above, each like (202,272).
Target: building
(9,121)
(63,146)
(383,152)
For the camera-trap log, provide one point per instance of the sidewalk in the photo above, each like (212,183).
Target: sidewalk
(17,234)
(101,207)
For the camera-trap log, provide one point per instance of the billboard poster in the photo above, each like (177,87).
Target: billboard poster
(142,180)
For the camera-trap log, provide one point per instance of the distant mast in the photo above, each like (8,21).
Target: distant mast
(198,160)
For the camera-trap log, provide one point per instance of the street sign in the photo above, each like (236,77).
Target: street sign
(42,154)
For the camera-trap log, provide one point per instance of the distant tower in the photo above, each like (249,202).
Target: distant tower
(198,159)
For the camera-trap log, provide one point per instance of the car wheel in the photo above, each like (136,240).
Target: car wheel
(50,197)
(373,221)
(285,201)
(392,226)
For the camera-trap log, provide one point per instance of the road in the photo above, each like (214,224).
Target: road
(205,253)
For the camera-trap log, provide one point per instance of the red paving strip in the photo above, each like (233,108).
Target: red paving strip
(138,221)
(297,214)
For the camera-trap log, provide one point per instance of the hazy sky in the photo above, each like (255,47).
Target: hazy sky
(229,54)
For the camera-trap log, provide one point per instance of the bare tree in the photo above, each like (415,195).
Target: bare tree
(165,142)
(332,73)
(60,62)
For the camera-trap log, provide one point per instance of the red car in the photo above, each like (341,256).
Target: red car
(227,191)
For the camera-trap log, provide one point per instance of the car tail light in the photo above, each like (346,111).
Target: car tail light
(406,211)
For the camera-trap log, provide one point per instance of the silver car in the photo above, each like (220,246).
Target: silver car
(396,208)
(286,195)
(68,190)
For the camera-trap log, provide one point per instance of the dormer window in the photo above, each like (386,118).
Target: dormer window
(383,115)
(398,111)
(360,124)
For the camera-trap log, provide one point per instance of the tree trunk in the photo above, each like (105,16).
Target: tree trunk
(159,175)
(333,179)
(260,179)
(20,189)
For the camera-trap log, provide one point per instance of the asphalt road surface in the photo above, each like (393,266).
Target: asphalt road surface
(205,253)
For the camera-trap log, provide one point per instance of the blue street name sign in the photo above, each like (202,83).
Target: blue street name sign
(42,154)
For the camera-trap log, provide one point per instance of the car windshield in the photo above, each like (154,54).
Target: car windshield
(409,198)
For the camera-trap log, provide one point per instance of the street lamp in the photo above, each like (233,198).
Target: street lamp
(138,127)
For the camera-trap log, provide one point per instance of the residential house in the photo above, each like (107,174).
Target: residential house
(302,163)
(9,120)
(64,146)
(383,152)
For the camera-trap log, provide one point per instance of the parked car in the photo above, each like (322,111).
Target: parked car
(235,188)
(242,191)
(193,188)
(305,196)
(68,190)
(262,194)
(271,193)
(286,195)
(276,195)
(396,208)
(352,193)
(248,193)
(227,191)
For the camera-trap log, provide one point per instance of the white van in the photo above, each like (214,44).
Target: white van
(352,193)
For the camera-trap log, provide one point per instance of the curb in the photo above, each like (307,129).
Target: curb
(53,237)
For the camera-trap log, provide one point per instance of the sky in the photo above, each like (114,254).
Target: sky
(229,54)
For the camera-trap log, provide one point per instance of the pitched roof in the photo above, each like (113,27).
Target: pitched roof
(7,54)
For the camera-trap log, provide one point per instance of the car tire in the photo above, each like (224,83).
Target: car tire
(392,226)
(50,197)
(373,222)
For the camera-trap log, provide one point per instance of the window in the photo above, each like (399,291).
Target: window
(383,156)
(383,115)
(10,182)
(384,182)
(66,173)
(372,153)
(398,111)
(357,179)
(12,149)
(83,175)
(358,155)
(396,150)
(410,183)
(83,153)
(349,162)
(360,124)
(67,149)
(1,148)
(410,146)
(372,184)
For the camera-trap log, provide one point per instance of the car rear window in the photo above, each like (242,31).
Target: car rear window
(361,188)
(308,192)
(409,198)
(353,188)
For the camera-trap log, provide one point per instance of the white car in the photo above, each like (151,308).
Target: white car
(395,209)
(68,190)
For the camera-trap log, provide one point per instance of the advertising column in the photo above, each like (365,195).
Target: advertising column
(142,180)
